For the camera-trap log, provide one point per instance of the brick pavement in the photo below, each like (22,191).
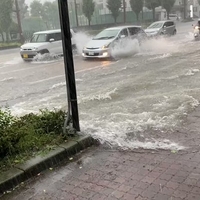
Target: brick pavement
(104,174)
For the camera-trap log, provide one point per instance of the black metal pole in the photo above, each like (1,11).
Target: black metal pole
(68,61)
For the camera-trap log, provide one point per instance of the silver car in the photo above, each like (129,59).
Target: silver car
(161,28)
(101,45)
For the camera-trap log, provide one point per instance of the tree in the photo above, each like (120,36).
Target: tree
(51,14)
(114,6)
(88,9)
(168,5)
(5,16)
(152,4)
(137,6)
(23,8)
(36,9)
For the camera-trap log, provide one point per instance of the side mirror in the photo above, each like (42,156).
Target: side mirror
(122,36)
(52,40)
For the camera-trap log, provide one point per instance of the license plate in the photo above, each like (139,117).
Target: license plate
(25,56)
(91,53)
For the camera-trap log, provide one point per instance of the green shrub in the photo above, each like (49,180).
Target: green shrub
(13,44)
(29,134)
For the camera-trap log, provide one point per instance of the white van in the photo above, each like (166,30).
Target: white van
(44,42)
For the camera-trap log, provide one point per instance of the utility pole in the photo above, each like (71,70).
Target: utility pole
(184,8)
(124,10)
(19,22)
(68,62)
(75,5)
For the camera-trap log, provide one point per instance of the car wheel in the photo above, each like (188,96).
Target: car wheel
(43,51)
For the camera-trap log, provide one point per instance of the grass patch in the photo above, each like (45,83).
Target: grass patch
(24,137)
(14,44)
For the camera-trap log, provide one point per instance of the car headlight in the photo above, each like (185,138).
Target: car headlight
(196,27)
(34,48)
(105,46)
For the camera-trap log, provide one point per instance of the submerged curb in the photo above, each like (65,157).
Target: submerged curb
(34,166)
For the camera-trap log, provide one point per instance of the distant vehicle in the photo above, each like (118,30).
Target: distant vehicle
(100,46)
(158,28)
(43,42)
(174,17)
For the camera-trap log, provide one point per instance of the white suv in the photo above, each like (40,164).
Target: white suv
(44,42)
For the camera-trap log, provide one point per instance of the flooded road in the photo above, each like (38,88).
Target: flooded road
(132,102)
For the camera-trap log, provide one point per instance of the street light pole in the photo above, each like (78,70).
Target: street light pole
(68,62)
(19,21)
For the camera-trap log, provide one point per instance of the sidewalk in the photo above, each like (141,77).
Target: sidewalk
(105,174)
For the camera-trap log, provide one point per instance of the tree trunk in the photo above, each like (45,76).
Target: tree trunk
(2,36)
(154,14)
(115,18)
(89,22)
(168,15)
(137,15)
(7,36)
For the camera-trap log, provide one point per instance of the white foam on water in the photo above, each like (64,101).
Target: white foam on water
(7,79)
(125,48)
(166,55)
(81,39)
(107,95)
(45,58)
(192,72)
(165,115)
(57,85)
(14,61)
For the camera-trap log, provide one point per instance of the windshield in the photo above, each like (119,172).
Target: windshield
(39,38)
(107,34)
(155,25)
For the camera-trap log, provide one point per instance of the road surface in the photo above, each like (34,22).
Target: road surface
(132,102)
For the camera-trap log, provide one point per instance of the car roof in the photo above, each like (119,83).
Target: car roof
(122,27)
(49,31)
(163,21)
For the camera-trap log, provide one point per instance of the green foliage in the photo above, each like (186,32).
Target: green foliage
(5,16)
(50,14)
(88,9)
(168,5)
(33,24)
(114,6)
(13,44)
(29,134)
(152,4)
(23,8)
(137,6)
(36,8)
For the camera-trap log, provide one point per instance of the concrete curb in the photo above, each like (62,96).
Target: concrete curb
(32,167)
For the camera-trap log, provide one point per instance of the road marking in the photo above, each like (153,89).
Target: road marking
(47,79)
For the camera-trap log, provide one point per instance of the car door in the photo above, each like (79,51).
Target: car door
(166,28)
(171,27)
(55,46)
(121,38)
(137,33)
